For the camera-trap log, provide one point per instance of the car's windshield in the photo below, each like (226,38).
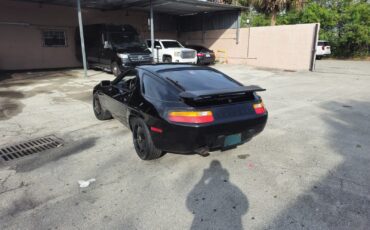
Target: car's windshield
(171,44)
(199,79)
(126,40)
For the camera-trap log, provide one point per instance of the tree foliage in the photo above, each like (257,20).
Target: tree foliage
(344,23)
(270,7)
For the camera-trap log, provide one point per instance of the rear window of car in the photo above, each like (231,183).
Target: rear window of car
(155,89)
(323,43)
(199,48)
(199,79)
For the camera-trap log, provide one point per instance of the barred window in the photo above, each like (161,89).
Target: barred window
(54,38)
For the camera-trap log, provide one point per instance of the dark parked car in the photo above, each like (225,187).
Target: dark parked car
(113,47)
(205,56)
(181,109)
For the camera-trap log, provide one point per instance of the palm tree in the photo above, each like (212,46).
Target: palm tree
(296,5)
(270,7)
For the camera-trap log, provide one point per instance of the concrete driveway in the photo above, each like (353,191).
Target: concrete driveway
(309,169)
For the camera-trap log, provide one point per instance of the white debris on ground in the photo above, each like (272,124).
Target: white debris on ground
(85,184)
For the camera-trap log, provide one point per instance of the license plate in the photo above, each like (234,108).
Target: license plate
(232,140)
(208,55)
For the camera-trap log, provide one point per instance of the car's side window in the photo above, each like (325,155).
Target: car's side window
(156,44)
(127,81)
(155,89)
(160,44)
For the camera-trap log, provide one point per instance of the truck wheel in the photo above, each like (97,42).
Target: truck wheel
(143,142)
(99,111)
(115,69)
(167,59)
(318,57)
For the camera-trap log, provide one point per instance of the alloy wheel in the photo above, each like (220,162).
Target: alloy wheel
(97,106)
(140,139)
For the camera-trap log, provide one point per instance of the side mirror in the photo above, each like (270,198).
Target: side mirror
(105,83)
(107,45)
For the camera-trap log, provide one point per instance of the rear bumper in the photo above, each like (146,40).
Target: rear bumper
(190,139)
(323,53)
(130,64)
(207,60)
(185,60)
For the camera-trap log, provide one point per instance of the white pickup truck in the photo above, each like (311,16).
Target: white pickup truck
(322,49)
(169,51)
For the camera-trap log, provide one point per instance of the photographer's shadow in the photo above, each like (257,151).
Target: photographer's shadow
(215,202)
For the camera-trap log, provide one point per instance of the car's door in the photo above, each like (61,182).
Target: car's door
(120,93)
(158,46)
(157,50)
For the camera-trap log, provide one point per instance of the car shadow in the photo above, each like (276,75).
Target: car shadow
(215,202)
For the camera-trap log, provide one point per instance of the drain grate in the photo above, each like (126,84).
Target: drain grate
(23,149)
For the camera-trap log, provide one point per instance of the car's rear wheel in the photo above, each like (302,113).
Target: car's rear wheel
(115,69)
(99,111)
(143,142)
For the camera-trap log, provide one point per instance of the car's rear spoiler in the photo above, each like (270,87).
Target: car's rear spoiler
(205,94)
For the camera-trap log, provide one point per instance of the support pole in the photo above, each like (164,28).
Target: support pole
(238,28)
(249,27)
(152,29)
(203,29)
(80,25)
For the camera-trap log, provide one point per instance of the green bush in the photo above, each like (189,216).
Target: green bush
(344,23)
(255,20)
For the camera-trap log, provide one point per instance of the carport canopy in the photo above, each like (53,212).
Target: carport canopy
(173,7)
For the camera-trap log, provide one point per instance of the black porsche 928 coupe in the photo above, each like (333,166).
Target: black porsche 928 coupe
(181,109)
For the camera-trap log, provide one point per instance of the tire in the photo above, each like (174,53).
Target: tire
(167,59)
(115,69)
(143,142)
(99,111)
(318,57)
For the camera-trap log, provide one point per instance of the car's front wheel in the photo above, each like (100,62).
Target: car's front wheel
(167,59)
(99,111)
(143,142)
(115,69)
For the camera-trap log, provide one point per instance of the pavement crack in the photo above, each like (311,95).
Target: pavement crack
(13,189)
(5,180)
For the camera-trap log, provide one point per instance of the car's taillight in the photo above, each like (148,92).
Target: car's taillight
(195,117)
(259,108)
(200,54)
